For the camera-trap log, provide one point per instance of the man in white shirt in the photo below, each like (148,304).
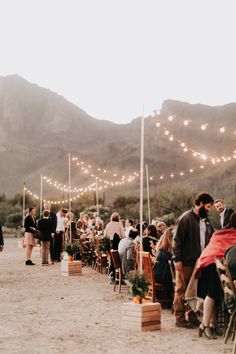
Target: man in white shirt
(223,212)
(59,236)
(126,252)
(129,225)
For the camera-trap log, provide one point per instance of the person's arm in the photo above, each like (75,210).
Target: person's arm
(177,247)
(106,231)
(1,238)
(54,223)
(122,232)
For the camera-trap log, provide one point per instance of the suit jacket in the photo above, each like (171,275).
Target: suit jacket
(227,215)
(45,229)
(126,253)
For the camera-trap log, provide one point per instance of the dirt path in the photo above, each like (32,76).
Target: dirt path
(44,312)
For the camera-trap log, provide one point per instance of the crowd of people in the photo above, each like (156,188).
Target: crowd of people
(191,246)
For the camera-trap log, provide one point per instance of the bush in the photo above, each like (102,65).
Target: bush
(13,220)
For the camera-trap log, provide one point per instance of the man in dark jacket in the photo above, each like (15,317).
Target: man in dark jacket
(223,212)
(1,238)
(53,220)
(191,235)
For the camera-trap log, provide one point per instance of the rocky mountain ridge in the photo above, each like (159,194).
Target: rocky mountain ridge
(38,128)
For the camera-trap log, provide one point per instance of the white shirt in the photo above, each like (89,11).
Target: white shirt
(127,230)
(60,223)
(222,215)
(202,224)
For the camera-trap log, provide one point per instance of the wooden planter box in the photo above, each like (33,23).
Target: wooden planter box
(69,268)
(142,317)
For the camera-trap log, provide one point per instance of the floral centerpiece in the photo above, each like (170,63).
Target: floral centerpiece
(138,285)
(73,251)
(104,245)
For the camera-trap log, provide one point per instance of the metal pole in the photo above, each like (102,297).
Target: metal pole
(23,206)
(97,197)
(148,196)
(70,197)
(41,196)
(141,191)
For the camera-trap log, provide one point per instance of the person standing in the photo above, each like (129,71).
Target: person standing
(223,212)
(30,226)
(115,232)
(192,233)
(59,235)
(45,231)
(53,220)
(1,239)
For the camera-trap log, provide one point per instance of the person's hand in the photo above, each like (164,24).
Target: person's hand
(153,259)
(52,235)
(1,248)
(178,266)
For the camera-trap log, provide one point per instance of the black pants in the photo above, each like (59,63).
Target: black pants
(52,253)
(58,245)
(114,246)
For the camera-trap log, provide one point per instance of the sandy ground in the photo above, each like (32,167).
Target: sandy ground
(45,312)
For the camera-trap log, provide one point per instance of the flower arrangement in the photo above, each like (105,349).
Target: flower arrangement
(138,285)
(73,250)
(104,245)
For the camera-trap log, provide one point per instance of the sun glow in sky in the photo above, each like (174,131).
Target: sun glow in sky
(111,57)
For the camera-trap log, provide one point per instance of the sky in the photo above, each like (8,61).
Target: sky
(114,57)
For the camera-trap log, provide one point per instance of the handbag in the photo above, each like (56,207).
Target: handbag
(36,234)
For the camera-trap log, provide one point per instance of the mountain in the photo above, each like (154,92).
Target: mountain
(38,128)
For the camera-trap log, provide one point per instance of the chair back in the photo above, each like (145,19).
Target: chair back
(227,285)
(115,259)
(147,266)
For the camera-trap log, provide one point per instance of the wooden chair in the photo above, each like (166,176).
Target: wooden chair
(230,301)
(101,262)
(154,287)
(118,272)
(87,252)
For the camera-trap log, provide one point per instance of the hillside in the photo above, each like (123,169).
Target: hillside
(38,128)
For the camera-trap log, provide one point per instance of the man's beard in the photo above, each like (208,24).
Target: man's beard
(203,213)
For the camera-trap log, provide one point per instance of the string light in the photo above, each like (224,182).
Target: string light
(204,126)
(186,122)
(203,156)
(84,167)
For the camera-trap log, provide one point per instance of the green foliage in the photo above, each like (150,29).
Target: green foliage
(72,249)
(174,202)
(127,207)
(14,219)
(104,245)
(138,283)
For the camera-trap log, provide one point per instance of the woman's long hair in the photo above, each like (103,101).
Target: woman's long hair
(166,241)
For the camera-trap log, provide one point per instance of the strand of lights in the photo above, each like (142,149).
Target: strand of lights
(86,169)
(36,196)
(65,188)
(179,174)
(214,159)
(203,126)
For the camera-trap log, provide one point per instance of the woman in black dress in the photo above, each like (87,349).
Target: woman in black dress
(161,266)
